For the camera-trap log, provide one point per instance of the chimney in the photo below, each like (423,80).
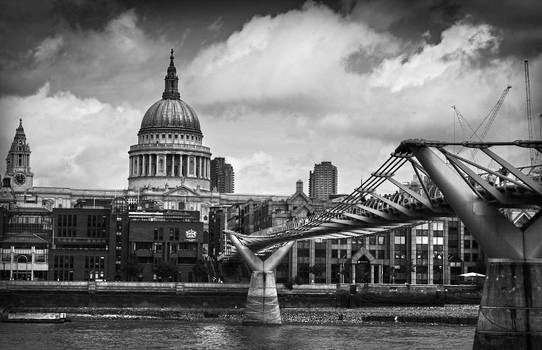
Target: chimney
(299,186)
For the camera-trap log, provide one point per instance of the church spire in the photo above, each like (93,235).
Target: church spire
(20,129)
(171,90)
(18,160)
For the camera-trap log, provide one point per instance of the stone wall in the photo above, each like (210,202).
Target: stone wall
(211,295)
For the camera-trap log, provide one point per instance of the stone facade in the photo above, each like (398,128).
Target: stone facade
(18,162)
(169,152)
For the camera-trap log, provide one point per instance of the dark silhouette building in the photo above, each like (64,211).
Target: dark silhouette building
(323,180)
(222,176)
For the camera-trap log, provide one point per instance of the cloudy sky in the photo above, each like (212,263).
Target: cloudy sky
(278,85)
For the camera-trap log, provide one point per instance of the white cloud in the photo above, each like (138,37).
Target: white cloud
(289,76)
(301,53)
(75,142)
(460,44)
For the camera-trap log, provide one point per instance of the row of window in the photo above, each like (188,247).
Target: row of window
(151,138)
(63,261)
(67,220)
(95,262)
(159,246)
(173,234)
(425,240)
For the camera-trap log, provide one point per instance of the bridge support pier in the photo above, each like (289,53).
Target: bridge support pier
(262,305)
(510,314)
(262,301)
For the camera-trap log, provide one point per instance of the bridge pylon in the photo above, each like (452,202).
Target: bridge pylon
(510,314)
(262,305)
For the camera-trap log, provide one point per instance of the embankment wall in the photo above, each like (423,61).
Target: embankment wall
(211,295)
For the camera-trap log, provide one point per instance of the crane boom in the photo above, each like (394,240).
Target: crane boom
(488,120)
(533,153)
(492,114)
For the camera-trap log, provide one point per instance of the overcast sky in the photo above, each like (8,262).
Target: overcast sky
(278,85)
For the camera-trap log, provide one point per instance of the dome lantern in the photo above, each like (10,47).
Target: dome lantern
(171,81)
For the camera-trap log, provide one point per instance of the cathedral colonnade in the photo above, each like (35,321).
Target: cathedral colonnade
(171,165)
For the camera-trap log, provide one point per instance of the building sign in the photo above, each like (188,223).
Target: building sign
(190,234)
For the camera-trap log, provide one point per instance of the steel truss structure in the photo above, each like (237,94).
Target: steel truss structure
(367,211)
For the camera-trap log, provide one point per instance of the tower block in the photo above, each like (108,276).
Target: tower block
(262,305)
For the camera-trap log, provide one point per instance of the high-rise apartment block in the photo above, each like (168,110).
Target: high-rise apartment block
(222,176)
(323,180)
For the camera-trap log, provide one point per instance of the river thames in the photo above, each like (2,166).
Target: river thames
(163,334)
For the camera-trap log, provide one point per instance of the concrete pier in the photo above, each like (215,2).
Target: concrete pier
(510,314)
(262,305)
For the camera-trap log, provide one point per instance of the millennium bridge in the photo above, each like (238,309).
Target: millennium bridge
(452,184)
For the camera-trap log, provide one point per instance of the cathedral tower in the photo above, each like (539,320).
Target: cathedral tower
(18,162)
(170,152)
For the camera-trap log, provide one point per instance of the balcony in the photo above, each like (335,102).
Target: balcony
(169,147)
(41,266)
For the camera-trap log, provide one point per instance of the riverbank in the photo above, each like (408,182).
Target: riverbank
(447,314)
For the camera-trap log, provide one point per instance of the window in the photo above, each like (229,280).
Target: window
(400,240)
(422,240)
(438,226)
(438,240)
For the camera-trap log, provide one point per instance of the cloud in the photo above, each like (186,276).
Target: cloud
(48,48)
(275,97)
(322,86)
(216,25)
(295,55)
(460,45)
(75,142)
(519,21)
(110,63)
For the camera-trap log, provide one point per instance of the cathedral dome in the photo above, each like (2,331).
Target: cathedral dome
(170,113)
(173,114)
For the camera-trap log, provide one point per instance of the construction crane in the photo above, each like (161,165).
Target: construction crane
(488,120)
(490,117)
(463,123)
(534,155)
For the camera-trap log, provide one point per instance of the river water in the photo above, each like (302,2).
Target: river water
(163,334)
